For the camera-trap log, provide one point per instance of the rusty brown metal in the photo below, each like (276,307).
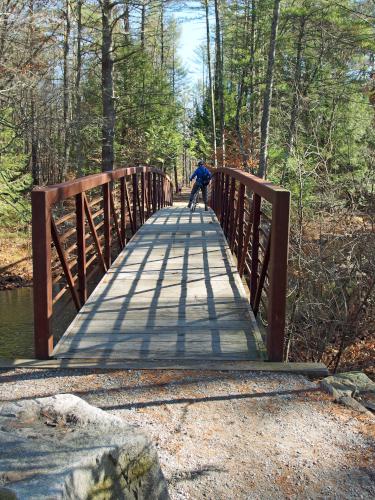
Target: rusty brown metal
(262,276)
(94,234)
(41,242)
(115,220)
(158,190)
(241,267)
(143,198)
(255,247)
(229,218)
(134,200)
(278,276)
(81,247)
(149,193)
(249,246)
(123,210)
(132,226)
(225,203)
(265,189)
(44,232)
(241,213)
(60,192)
(153,192)
(107,224)
(64,264)
(138,201)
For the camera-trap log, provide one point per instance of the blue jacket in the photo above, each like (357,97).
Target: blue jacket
(202,174)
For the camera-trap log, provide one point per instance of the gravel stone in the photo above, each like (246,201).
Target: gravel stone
(228,435)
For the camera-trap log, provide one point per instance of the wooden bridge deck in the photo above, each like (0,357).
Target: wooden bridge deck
(173,293)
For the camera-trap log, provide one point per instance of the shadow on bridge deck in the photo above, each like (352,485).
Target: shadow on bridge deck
(173,295)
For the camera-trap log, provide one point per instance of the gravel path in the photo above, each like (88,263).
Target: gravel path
(229,435)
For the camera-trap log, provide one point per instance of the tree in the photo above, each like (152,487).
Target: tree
(108,127)
(267,101)
(211,87)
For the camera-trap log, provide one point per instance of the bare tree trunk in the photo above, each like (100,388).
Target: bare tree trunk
(161,34)
(126,22)
(219,84)
(173,70)
(66,105)
(296,96)
(143,24)
(34,144)
(108,127)
(265,123)
(78,117)
(252,70)
(211,87)
(175,176)
(238,121)
(35,170)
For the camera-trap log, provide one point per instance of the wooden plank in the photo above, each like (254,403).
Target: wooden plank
(169,309)
(163,337)
(136,354)
(312,369)
(117,321)
(162,342)
(157,315)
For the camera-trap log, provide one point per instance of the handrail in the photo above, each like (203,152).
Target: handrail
(70,250)
(59,192)
(259,241)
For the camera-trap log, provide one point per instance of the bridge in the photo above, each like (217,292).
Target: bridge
(153,282)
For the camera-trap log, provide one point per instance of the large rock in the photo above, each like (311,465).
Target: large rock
(61,447)
(354,389)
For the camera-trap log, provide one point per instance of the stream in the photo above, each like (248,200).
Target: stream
(17,326)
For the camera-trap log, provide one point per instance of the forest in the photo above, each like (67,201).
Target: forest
(287,92)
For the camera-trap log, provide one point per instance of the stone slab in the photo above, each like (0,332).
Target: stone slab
(63,448)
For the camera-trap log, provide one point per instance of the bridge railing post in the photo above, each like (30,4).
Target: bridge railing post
(81,247)
(123,208)
(241,214)
(278,276)
(149,193)
(134,201)
(160,205)
(143,197)
(255,247)
(230,220)
(107,223)
(153,192)
(42,273)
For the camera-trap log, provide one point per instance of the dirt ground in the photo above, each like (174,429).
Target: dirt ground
(229,435)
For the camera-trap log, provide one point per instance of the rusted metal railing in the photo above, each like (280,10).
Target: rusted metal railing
(79,227)
(254,215)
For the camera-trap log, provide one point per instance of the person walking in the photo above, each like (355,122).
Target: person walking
(203,178)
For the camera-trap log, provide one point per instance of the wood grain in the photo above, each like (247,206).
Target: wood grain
(173,293)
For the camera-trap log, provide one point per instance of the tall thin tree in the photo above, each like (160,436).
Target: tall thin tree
(267,101)
(219,78)
(210,83)
(108,108)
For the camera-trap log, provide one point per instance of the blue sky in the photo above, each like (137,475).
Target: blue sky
(193,34)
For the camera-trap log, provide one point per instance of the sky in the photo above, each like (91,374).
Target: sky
(193,34)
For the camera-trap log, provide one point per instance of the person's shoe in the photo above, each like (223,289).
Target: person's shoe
(206,208)
(189,205)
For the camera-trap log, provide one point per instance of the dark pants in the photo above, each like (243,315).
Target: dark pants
(204,190)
